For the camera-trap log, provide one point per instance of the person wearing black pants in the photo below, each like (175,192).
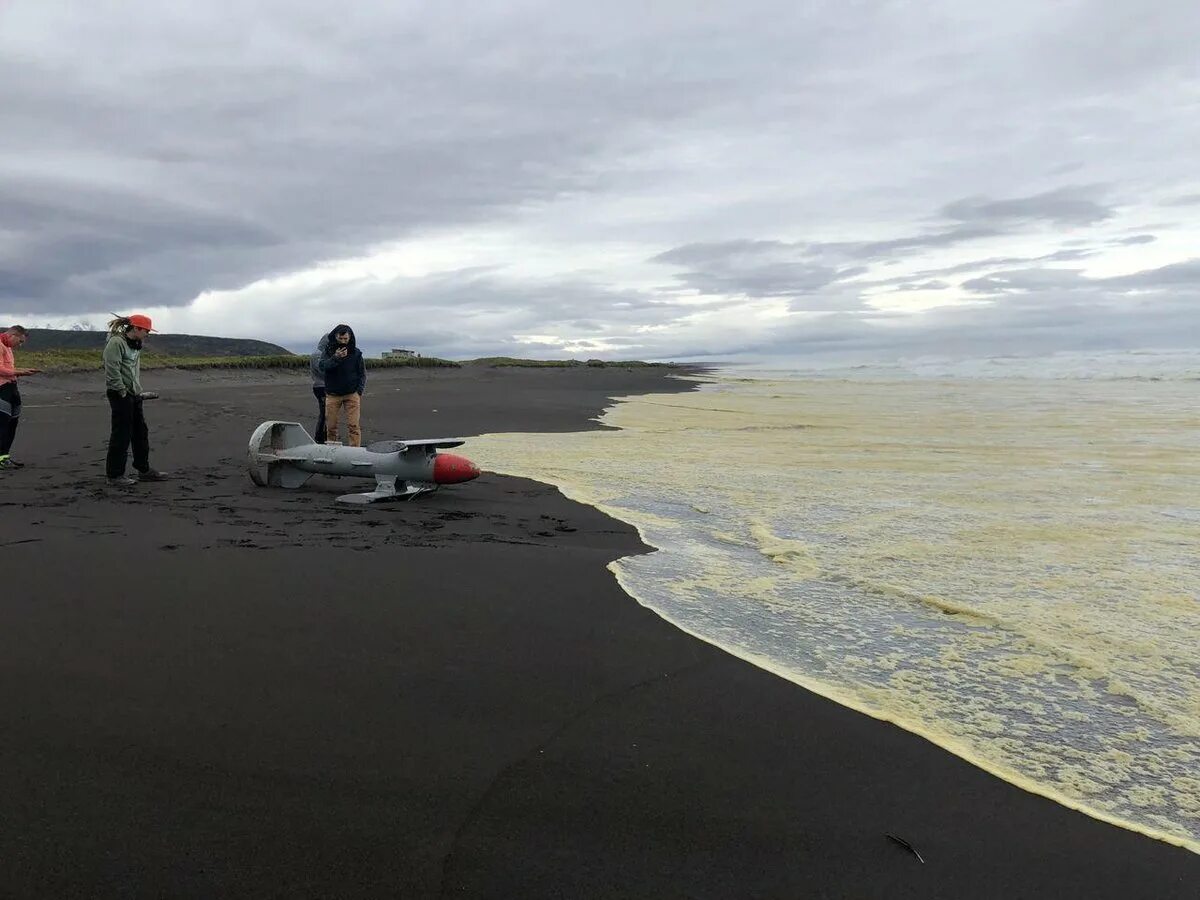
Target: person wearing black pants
(318,377)
(10,418)
(10,395)
(128,428)
(319,393)
(123,387)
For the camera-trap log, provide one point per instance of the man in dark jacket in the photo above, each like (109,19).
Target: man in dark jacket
(318,378)
(345,380)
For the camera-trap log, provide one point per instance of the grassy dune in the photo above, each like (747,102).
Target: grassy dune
(502,361)
(89,360)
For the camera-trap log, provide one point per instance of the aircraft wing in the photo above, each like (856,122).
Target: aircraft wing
(419,443)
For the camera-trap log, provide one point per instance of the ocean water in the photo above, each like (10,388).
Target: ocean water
(1000,557)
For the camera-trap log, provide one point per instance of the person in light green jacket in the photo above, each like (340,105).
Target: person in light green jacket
(123,386)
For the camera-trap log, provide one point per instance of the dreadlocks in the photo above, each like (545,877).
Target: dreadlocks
(119,325)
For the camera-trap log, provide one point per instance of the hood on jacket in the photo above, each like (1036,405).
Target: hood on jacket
(318,377)
(332,344)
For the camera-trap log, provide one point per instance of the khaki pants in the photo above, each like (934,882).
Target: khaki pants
(352,404)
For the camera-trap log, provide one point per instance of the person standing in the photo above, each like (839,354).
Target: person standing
(318,378)
(345,380)
(123,386)
(10,395)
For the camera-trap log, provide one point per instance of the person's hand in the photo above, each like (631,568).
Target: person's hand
(23,372)
(341,352)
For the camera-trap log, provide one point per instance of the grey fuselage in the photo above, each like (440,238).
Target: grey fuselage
(282,454)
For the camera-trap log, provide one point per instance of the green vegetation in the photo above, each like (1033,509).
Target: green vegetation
(290,362)
(78,360)
(89,360)
(502,361)
(58,360)
(79,351)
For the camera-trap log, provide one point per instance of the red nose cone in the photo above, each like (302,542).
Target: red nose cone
(451,469)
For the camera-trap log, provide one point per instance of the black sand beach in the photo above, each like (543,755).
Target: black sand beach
(215,690)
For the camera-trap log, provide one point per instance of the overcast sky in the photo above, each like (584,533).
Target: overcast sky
(752,180)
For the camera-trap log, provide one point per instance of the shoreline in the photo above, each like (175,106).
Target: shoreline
(444,696)
(833,693)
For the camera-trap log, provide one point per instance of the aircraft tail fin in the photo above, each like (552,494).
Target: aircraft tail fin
(268,454)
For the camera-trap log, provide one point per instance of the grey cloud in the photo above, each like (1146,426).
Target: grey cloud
(1053,323)
(1184,274)
(777,279)
(764,268)
(221,167)
(900,247)
(1184,200)
(1021,311)
(1025,280)
(1177,275)
(992,262)
(1134,240)
(922,286)
(703,253)
(1064,206)
(754,269)
(1066,168)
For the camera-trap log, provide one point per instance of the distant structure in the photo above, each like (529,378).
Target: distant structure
(400,354)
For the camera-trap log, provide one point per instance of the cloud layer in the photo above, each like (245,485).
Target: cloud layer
(751,180)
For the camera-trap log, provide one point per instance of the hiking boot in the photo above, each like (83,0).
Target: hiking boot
(7,463)
(152,475)
(123,481)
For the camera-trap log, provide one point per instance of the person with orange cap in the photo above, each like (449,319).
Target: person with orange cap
(123,385)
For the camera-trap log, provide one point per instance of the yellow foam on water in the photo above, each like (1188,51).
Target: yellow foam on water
(1005,567)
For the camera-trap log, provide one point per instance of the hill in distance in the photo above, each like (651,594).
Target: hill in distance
(189,345)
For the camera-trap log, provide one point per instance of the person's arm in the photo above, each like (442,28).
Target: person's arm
(13,370)
(328,362)
(113,379)
(135,374)
(362,375)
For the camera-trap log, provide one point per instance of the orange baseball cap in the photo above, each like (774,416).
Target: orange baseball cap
(140,321)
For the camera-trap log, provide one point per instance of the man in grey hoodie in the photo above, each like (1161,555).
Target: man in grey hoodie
(318,377)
